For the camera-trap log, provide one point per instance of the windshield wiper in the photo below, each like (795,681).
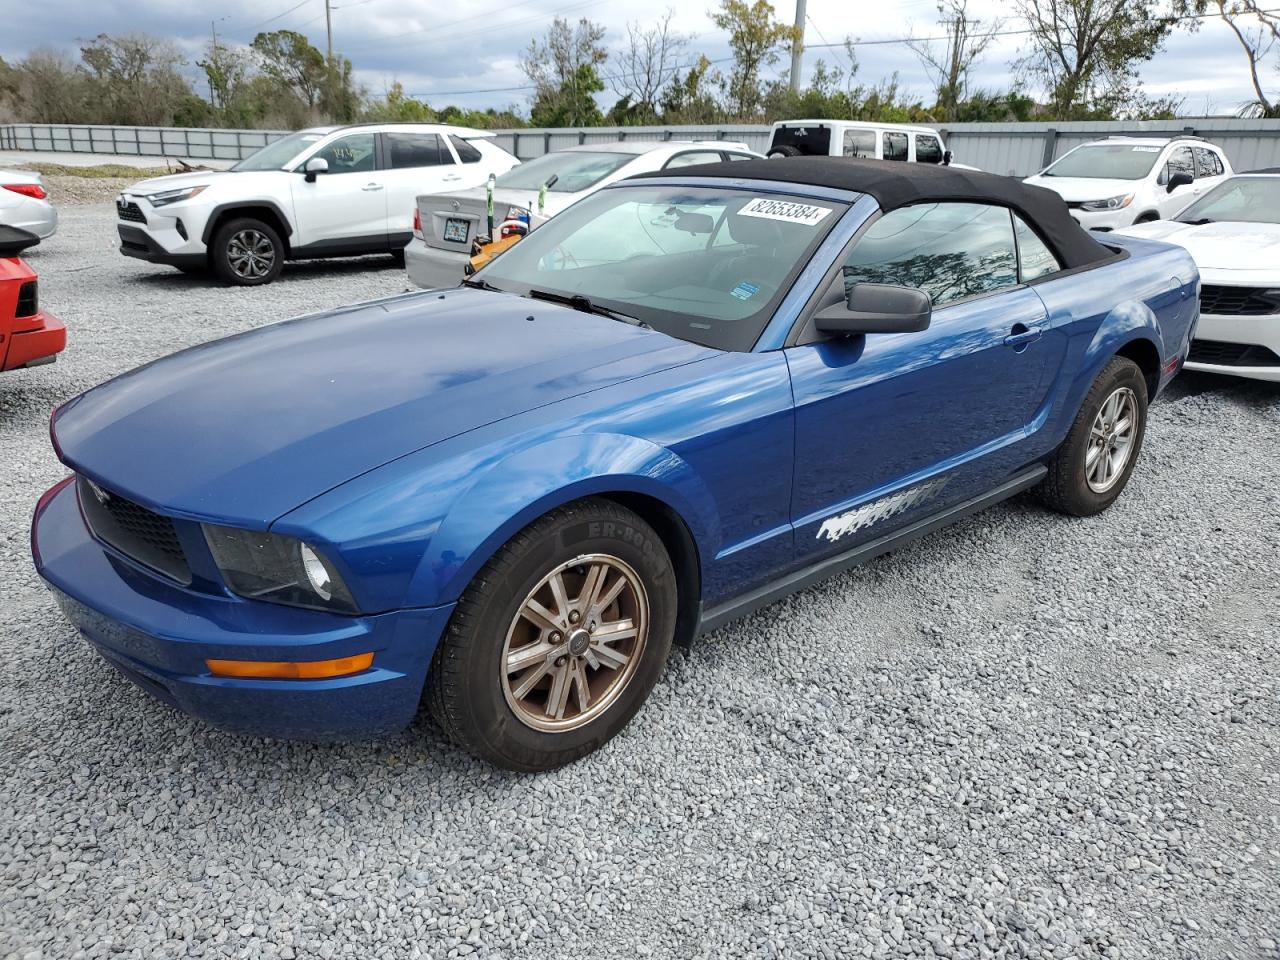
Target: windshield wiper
(1198,223)
(583,303)
(480,285)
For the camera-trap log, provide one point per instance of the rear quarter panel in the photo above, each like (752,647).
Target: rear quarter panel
(1151,294)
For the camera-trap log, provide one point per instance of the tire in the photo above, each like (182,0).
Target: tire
(511,719)
(779,153)
(247,252)
(1078,483)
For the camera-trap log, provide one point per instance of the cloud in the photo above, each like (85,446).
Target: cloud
(467,52)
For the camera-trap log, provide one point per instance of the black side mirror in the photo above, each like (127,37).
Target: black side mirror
(315,166)
(1180,180)
(946,158)
(877,308)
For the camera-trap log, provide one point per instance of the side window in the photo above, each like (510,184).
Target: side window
(860,143)
(738,156)
(1034,258)
(466,152)
(895,146)
(1207,163)
(928,149)
(351,154)
(1180,161)
(949,250)
(406,150)
(692,158)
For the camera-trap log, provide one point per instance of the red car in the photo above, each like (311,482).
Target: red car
(28,335)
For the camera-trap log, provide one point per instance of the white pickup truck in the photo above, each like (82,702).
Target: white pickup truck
(854,138)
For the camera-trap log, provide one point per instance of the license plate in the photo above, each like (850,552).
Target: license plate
(456,230)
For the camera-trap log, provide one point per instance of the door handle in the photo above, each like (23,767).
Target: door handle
(453,177)
(1022,335)
(372,186)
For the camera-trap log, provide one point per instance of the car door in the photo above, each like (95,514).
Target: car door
(416,163)
(345,209)
(1170,203)
(890,426)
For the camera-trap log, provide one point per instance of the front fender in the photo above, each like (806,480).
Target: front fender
(511,493)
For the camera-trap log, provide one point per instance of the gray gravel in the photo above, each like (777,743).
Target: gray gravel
(1026,736)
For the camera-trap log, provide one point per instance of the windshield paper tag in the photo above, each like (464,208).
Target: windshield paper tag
(744,290)
(1146,149)
(786,210)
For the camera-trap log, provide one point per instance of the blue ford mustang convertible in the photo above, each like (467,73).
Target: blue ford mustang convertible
(680,399)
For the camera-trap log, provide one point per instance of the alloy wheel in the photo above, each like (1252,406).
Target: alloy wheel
(1111,440)
(251,254)
(575,643)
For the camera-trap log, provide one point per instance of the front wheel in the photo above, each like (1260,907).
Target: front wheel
(247,252)
(1096,460)
(558,640)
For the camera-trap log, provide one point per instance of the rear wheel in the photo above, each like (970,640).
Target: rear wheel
(558,640)
(1094,463)
(247,252)
(777,153)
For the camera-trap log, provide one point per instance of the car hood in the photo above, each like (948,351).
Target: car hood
(1219,246)
(173,181)
(245,429)
(1078,190)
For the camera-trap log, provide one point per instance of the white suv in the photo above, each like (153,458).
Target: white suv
(1116,182)
(324,192)
(856,138)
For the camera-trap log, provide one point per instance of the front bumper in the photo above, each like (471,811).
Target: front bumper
(136,242)
(158,634)
(431,268)
(1104,219)
(1213,333)
(36,340)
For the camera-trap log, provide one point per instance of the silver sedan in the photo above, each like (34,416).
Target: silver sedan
(24,203)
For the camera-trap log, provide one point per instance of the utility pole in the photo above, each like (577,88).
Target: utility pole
(328,29)
(213,57)
(797,47)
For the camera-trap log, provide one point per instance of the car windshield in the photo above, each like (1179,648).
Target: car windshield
(574,170)
(1245,199)
(705,265)
(279,152)
(1111,161)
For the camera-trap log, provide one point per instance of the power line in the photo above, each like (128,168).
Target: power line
(279,15)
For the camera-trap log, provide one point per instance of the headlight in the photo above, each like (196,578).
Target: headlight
(166,197)
(278,569)
(1111,203)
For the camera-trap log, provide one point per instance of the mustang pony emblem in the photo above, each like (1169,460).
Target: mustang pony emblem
(833,528)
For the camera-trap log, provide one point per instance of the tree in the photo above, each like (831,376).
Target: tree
(396,107)
(645,66)
(136,78)
(562,68)
(51,89)
(690,98)
(227,69)
(949,64)
(289,59)
(756,37)
(1256,29)
(1085,52)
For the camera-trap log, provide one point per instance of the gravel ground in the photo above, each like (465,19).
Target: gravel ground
(1026,736)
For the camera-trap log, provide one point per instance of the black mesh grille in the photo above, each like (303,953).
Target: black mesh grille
(130,211)
(134,530)
(1231,354)
(1238,301)
(28,299)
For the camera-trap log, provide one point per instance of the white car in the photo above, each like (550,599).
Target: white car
(1233,233)
(1122,180)
(324,192)
(857,138)
(24,203)
(446,225)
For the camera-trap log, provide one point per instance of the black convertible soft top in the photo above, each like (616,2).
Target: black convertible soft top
(895,184)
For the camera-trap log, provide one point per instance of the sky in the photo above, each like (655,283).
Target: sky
(467,52)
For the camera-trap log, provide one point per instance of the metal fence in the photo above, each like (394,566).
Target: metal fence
(1010,148)
(187,142)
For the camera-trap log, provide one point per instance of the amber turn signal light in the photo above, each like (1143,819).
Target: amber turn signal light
(290,670)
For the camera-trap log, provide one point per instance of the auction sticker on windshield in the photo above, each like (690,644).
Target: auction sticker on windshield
(786,210)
